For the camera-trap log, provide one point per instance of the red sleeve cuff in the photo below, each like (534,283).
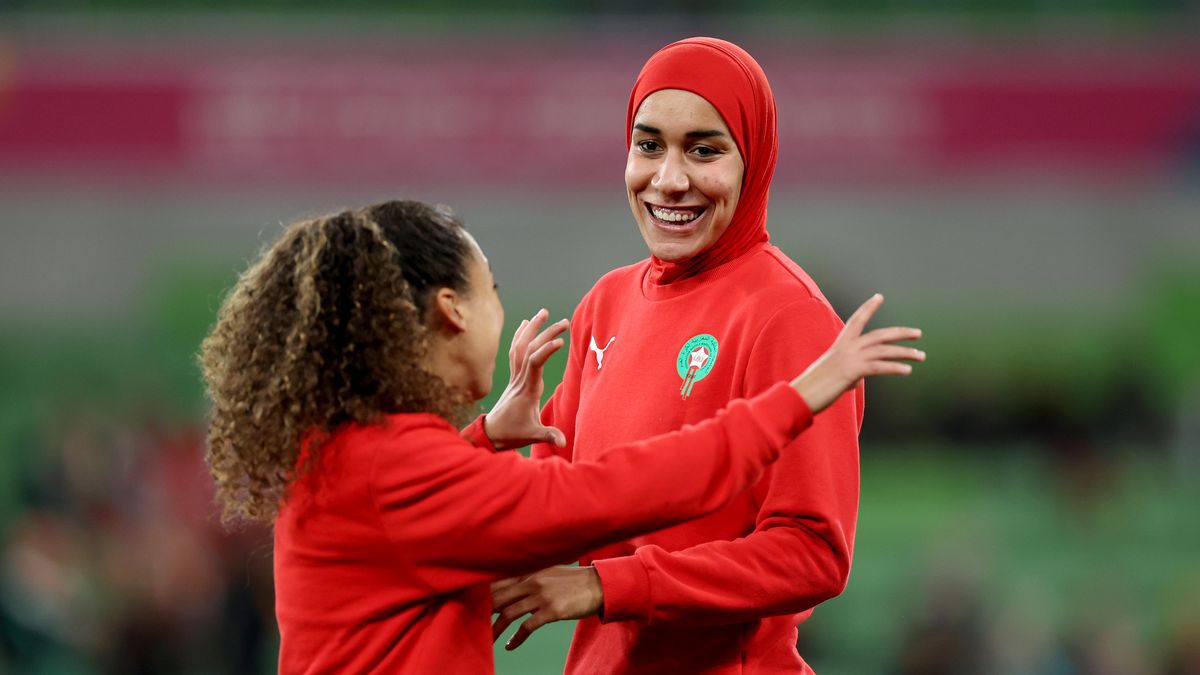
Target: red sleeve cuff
(626,585)
(802,414)
(473,433)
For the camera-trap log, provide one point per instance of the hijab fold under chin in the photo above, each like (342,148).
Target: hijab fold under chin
(732,81)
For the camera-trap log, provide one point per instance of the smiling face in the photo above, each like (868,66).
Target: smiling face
(683,174)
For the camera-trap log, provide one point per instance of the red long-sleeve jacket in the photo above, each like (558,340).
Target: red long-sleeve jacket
(383,553)
(722,594)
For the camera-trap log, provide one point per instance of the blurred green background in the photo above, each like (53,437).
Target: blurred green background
(1029,497)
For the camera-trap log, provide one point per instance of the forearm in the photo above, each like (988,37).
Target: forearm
(790,567)
(516,515)
(797,555)
(622,494)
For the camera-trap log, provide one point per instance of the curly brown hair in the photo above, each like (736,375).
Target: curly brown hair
(327,327)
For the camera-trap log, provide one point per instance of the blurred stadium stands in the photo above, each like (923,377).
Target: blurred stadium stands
(1022,179)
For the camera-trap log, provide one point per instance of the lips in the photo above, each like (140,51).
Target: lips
(675,218)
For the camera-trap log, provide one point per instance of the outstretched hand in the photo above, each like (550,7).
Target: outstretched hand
(515,420)
(855,355)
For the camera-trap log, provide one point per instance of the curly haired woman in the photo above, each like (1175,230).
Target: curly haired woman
(336,368)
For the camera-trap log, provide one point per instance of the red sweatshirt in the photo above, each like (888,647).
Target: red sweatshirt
(384,552)
(722,594)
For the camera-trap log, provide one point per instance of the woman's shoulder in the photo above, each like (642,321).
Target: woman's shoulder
(768,281)
(401,445)
(780,303)
(780,273)
(394,444)
(396,427)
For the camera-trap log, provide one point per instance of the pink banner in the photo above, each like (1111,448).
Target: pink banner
(555,114)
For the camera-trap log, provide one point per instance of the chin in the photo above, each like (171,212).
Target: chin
(674,252)
(482,388)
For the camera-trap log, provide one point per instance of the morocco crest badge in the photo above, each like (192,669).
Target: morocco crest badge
(695,361)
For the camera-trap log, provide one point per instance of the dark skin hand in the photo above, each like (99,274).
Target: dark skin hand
(553,594)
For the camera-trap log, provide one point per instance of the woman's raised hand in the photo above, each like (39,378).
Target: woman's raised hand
(515,420)
(855,355)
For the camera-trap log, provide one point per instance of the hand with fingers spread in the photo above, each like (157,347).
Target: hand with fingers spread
(553,594)
(855,355)
(515,420)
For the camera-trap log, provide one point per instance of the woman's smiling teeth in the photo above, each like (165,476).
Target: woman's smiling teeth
(675,215)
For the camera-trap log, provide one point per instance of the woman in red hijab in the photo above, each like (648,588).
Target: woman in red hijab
(714,314)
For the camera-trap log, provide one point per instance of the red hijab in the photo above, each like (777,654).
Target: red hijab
(723,74)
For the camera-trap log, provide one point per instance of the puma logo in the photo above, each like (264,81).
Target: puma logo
(600,352)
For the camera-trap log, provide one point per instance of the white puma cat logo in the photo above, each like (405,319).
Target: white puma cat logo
(600,352)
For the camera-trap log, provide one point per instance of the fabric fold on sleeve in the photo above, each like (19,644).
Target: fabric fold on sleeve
(474,434)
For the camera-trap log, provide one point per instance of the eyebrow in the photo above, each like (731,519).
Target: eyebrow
(699,133)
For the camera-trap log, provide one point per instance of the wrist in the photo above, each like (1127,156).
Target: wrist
(595,591)
(625,589)
(484,423)
(817,395)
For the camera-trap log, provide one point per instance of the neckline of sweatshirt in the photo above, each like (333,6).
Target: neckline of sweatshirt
(658,292)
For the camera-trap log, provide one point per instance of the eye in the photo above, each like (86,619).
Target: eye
(648,146)
(705,152)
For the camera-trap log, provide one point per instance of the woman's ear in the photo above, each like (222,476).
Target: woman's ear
(447,308)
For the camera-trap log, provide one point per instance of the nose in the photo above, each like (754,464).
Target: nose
(671,176)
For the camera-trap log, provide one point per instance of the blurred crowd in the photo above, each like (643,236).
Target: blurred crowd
(957,627)
(1066,352)
(114,561)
